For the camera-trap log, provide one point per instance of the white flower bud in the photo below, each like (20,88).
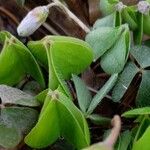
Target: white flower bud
(143,7)
(33,20)
(120,6)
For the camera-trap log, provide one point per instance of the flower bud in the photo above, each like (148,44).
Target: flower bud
(143,7)
(33,20)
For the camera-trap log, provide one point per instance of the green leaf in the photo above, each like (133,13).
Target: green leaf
(54,51)
(84,96)
(10,95)
(14,123)
(113,61)
(64,119)
(21,118)
(143,142)
(124,81)
(136,112)
(142,55)
(9,137)
(102,39)
(47,129)
(41,96)
(74,126)
(21,58)
(102,93)
(78,57)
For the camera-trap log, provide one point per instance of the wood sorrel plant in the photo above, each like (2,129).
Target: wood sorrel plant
(112,45)
(64,58)
(54,50)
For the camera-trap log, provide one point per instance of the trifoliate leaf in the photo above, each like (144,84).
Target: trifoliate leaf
(64,119)
(113,61)
(141,55)
(54,51)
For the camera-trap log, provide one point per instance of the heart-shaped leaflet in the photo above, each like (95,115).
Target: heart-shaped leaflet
(59,117)
(62,56)
(16,61)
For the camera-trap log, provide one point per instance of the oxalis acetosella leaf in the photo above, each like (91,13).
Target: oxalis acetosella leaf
(15,122)
(62,57)
(114,60)
(141,54)
(112,45)
(59,117)
(15,55)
